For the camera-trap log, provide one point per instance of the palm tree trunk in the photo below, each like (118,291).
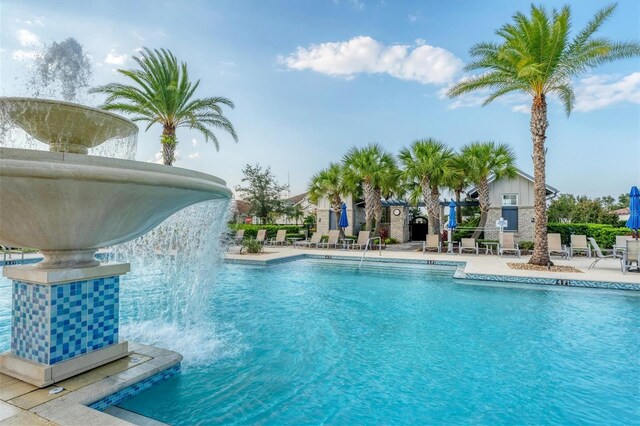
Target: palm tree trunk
(433,207)
(169,142)
(378,210)
(539,124)
(426,196)
(337,208)
(369,203)
(458,206)
(484,200)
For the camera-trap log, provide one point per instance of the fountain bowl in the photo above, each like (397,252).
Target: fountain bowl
(64,126)
(70,205)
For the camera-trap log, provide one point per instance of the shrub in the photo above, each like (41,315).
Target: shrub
(391,241)
(525,245)
(251,231)
(605,235)
(251,245)
(472,224)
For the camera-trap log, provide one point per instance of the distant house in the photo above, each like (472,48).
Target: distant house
(623,213)
(512,199)
(306,206)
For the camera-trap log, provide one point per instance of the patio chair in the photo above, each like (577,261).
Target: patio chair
(468,244)
(631,256)
(363,239)
(579,244)
(280,239)
(621,243)
(239,236)
(432,242)
(313,241)
(508,244)
(598,253)
(261,236)
(555,246)
(332,241)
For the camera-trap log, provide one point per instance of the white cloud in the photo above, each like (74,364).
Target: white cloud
(414,17)
(114,59)
(24,55)
(601,91)
(194,155)
(525,109)
(157,158)
(423,63)
(194,142)
(26,38)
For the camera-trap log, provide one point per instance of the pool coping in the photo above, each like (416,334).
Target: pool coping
(460,272)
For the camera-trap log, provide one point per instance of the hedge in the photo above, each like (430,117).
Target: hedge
(605,235)
(251,231)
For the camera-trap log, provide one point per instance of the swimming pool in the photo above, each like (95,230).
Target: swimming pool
(315,341)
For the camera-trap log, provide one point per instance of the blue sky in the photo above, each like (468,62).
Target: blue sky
(312,78)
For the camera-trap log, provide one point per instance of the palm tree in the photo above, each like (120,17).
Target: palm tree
(536,56)
(375,170)
(484,159)
(428,163)
(330,183)
(162,93)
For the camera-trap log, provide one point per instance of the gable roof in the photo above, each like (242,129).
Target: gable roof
(473,192)
(297,198)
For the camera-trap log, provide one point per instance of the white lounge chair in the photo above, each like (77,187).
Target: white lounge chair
(555,246)
(598,253)
(313,241)
(631,255)
(508,244)
(432,242)
(261,236)
(332,241)
(363,239)
(468,244)
(579,244)
(239,236)
(280,239)
(621,243)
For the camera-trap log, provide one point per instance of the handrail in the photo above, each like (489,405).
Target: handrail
(366,248)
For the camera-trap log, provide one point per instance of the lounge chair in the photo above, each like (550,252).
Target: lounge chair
(332,241)
(555,246)
(621,243)
(468,244)
(239,237)
(313,241)
(261,236)
(579,244)
(363,239)
(599,255)
(508,244)
(432,242)
(280,239)
(631,255)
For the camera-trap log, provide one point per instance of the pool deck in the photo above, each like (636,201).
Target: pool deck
(25,404)
(475,266)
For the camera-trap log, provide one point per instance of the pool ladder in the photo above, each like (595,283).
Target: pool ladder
(366,248)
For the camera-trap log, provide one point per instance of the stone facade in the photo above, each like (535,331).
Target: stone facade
(399,227)
(525,224)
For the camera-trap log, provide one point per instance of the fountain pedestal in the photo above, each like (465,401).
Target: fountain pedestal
(64,322)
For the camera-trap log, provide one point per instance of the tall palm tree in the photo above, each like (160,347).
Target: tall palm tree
(163,93)
(482,160)
(330,183)
(536,56)
(428,163)
(373,169)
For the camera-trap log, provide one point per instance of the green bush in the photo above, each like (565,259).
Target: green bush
(251,245)
(391,240)
(251,231)
(466,233)
(525,245)
(605,235)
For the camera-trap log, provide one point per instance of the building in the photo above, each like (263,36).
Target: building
(512,199)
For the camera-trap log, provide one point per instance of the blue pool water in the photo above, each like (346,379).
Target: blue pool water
(312,342)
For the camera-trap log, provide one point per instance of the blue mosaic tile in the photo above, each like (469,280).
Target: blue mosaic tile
(135,389)
(54,323)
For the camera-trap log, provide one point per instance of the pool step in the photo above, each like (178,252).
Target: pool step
(131,417)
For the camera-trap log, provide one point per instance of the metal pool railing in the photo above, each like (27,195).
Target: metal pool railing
(366,248)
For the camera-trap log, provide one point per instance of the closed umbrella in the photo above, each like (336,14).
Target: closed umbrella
(452,223)
(344,222)
(634,210)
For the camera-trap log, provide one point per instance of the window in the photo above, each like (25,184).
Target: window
(509,200)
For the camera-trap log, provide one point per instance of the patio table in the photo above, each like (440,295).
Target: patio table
(488,247)
(292,240)
(451,247)
(345,243)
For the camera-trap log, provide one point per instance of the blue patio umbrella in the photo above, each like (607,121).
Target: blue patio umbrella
(344,222)
(452,215)
(634,210)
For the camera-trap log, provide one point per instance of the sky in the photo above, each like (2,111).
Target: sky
(312,78)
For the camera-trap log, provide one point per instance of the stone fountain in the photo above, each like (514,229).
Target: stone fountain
(68,205)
